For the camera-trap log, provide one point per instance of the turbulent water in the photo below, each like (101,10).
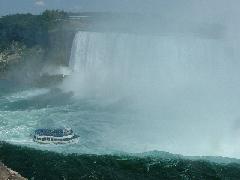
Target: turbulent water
(135,93)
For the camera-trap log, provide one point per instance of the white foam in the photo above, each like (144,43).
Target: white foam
(26,94)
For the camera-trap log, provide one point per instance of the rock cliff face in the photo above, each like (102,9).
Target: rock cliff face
(8,174)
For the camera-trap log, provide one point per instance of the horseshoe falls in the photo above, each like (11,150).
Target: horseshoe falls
(136,93)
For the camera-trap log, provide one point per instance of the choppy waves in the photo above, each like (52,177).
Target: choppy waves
(23,112)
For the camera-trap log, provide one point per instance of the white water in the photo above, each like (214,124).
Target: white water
(182,90)
(26,94)
(135,93)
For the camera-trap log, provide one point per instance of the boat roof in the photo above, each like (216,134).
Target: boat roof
(50,132)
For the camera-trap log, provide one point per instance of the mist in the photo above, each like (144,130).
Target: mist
(176,72)
(134,76)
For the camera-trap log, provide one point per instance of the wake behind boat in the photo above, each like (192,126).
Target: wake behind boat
(55,136)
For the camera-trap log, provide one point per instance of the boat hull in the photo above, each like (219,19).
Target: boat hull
(75,139)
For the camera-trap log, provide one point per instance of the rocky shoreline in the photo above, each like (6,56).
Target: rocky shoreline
(8,174)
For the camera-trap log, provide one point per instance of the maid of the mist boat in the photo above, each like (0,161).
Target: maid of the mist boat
(55,136)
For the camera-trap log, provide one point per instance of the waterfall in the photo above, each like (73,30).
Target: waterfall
(177,84)
(116,61)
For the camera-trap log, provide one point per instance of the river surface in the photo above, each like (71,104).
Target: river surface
(131,93)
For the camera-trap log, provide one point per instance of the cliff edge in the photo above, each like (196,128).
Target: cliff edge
(6,173)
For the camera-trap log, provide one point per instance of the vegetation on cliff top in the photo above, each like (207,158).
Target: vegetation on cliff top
(27,41)
(28,29)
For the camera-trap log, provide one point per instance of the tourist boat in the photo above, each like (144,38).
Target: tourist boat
(55,136)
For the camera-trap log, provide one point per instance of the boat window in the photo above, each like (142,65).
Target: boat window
(48,139)
(44,139)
